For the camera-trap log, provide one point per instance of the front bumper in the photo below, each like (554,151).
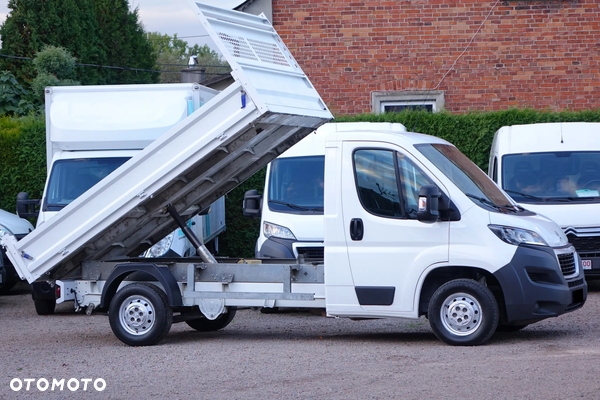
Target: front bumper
(535,287)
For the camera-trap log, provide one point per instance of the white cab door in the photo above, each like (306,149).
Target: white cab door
(388,248)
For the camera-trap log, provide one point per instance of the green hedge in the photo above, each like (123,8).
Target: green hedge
(472,133)
(23,155)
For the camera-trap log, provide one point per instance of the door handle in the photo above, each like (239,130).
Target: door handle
(356,229)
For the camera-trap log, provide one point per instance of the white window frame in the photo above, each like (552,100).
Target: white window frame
(435,98)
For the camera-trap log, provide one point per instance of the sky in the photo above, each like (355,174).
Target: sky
(164,16)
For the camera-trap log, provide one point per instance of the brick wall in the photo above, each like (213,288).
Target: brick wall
(528,54)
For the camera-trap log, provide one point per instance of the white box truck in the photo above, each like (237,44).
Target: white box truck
(20,228)
(412,227)
(554,169)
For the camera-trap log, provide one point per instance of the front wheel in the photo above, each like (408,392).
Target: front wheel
(140,314)
(463,312)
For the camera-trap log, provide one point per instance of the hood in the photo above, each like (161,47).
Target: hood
(543,226)
(574,215)
(15,224)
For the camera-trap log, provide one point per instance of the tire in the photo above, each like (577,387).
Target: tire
(475,316)
(140,314)
(44,306)
(6,285)
(203,324)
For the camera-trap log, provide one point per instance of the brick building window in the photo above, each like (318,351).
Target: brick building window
(395,101)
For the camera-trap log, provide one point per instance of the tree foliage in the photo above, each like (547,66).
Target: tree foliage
(54,67)
(14,99)
(173,55)
(97,32)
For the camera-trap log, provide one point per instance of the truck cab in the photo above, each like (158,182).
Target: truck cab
(554,169)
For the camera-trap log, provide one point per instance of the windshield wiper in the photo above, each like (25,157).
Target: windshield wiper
(573,198)
(296,206)
(525,195)
(507,207)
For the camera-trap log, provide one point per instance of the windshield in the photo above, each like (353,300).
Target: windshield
(69,179)
(296,184)
(467,176)
(552,176)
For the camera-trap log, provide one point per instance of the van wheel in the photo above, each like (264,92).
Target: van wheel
(463,312)
(140,314)
(204,324)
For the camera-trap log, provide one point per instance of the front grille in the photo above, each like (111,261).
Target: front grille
(576,283)
(311,253)
(585,244)
(567,264)
(589,255)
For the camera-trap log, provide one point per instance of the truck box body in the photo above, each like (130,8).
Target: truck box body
(76,116)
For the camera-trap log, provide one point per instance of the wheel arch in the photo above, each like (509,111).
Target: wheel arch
(160,273)
(441,275)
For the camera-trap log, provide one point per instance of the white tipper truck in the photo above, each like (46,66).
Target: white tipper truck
(412,227)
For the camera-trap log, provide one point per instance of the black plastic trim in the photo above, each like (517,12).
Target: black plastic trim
(277,248)
(161,273)
(375,295)
(548,294)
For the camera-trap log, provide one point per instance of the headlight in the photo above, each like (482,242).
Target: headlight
(517,236)
(160,248)
(277,231)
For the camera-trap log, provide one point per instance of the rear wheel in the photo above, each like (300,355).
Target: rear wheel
(463,312)
(140,314)
(44,306)
(204,324)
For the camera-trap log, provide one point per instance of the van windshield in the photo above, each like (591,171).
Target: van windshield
(467,176)
(562,176)
(296,185)
(69,179)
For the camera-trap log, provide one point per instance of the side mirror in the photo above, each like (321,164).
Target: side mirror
(26,207)
(428,209)
(251,205)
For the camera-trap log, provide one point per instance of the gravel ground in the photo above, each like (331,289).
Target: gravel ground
(296,355)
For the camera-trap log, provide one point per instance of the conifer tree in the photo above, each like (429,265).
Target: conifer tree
(97,32)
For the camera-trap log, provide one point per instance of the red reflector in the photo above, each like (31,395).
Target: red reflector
(57,292)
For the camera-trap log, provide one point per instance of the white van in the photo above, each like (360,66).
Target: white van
(554,169)
(292,207)
(19,227)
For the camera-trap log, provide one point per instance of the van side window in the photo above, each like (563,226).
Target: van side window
(375,173)
(495,170)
